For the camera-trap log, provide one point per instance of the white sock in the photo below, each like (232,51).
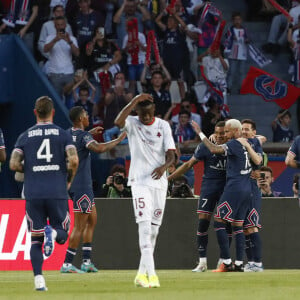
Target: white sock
(259,264)
(227,261)
(238,262)
(203,260)
(154,234)
(147,260)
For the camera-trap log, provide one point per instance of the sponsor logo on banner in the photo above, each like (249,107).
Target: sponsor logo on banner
(15,240)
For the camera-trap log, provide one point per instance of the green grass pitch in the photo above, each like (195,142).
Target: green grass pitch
(175,284)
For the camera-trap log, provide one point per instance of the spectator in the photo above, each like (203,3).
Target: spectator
(87,21)
(215,68)
(135,70)
(160,94)
(280,127)
(116,184)
(294,41)
(187,105)
(104,56)
(236,47)
(180,189)
(60,48)
(115,99)
(211,117)
(175,52)
(20,19)
(146,76)
(265,181)
(128,10)
(183,132)
(48,28)
(278,31)
(296,185)
(54,3)
(85,100)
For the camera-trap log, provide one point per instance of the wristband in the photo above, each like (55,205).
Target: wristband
(202,136)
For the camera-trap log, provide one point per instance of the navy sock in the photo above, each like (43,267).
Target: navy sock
(229,233)
(248,248)
(256,246)
(36,254)
(202,237)
(222,237)
(239,242)
(86,251)
(70,255)
(62,236)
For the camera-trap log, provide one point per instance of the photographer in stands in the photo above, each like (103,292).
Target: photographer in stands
(116,184)
(264,182)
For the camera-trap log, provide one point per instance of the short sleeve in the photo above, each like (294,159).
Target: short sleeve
(87,139)
(168,138)
(20,143)
(200,152)
(294,149)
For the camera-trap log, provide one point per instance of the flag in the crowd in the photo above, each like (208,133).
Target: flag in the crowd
(270,88)
(258,56)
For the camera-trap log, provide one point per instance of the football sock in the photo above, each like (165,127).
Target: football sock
(154,234)
(202,237)
(229,233)
(222,239)
(239,242)
(256,246)
(70,254)
(248,248)
(36,254)
(147,259)
(60,236)
(86,252)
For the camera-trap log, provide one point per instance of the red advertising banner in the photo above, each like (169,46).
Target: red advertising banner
(15,239)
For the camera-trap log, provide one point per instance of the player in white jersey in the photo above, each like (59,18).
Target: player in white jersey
(152,151)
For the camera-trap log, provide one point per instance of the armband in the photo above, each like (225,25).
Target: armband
(202,136)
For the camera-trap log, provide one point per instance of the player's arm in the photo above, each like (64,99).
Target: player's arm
(255,157)
(170,158)
(72,163)
(103,147)
(125,112)
(2,155)
(290,160)
(262,139)
(216,149)
(183,168)
(15,162)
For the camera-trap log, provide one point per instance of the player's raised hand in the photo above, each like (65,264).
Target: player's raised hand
(158,172)
(142,97)
(196,127)
(96,130)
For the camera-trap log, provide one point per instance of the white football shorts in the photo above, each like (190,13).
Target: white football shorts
(148,203)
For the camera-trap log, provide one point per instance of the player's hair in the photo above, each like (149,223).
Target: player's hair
(144,104)
(266,169)
(220,124)
(75,113)
(249,121)
(234,123)
(118,168)
(236,14)
(43,106)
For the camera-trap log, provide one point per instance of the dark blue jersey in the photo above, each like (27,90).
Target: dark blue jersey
(2,144)
(214,176)
(256,146)
(282,134)
(44,149)
(238,167)
(83,177)
(295,148)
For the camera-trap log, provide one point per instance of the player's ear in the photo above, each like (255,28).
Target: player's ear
(34,111)
(53,112)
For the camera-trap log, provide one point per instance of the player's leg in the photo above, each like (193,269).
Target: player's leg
(237,230)
(36,220)
(87,238)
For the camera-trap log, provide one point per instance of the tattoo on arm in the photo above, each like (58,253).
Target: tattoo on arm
(217,149)
(15,162)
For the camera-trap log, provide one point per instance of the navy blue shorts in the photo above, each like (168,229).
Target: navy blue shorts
(207,202)
(253,212)
(83,201)
(38,211)
(233,206)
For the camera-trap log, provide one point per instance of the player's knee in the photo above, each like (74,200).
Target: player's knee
(219,225)
(61,236)
(203,225)
(237,230)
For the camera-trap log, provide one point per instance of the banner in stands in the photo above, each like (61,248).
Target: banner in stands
(15,239)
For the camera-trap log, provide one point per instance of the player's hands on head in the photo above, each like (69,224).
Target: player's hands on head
(142,97)
(158,172)
(196,127)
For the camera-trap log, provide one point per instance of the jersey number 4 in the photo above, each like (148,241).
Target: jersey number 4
(44,151)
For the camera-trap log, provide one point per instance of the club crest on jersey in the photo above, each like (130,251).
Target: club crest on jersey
(270,88)
(159,134)
(157,213)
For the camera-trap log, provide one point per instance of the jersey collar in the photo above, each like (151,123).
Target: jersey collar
(43,123)
(153,120)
